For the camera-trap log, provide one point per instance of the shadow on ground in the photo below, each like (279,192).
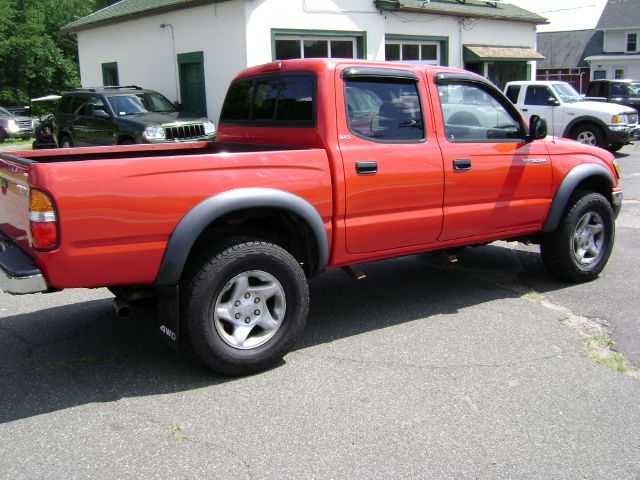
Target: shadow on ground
(76,354)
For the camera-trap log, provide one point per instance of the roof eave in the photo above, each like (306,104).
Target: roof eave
(506,18)
(70,28)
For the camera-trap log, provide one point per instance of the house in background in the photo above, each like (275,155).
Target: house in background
(564,56)
(190,50)
(620,53)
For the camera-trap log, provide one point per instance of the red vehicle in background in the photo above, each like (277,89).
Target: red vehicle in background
(318,164)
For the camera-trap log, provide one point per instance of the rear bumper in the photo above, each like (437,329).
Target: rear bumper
(18,273)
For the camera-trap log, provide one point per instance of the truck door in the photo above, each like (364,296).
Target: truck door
(495,182)
(392,162)
(541,100)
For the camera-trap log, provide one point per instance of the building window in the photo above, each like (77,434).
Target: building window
(110,74)
(618,73)
(421,52)
(599,74)
(632,42)
(314,46)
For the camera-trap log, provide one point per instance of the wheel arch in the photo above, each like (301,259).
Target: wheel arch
(587,176)
(203,220)
(583,120)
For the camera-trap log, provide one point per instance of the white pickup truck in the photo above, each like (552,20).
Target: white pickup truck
(568,114)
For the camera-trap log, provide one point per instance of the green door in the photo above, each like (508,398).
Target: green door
(192,88)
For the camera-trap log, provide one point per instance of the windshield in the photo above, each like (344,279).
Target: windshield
(5,112)
(567,93)
(133,103)
(634,89)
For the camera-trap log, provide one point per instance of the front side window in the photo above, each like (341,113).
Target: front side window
(288,47)
(384,110)
(472,113)
(415,52)
(277,99)
(632,42)
(539,95)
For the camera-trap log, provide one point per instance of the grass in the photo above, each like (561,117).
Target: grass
(176,432)
(597,347)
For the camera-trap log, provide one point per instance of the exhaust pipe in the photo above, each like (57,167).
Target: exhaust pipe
(122,308)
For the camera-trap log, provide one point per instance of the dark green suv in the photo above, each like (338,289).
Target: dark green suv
(123,116)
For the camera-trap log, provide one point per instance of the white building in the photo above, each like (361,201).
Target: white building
(189,50)
(620,57)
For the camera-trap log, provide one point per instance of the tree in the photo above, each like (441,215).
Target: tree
(35,59)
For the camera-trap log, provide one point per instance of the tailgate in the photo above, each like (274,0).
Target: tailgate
(14,199)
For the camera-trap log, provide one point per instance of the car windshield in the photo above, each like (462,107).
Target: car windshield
(133,103)
(634,88)
(567,93)
(5,112)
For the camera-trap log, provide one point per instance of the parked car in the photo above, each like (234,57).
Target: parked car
(336,163)
(606,125)
(122,116)
(622,92)
(14,126)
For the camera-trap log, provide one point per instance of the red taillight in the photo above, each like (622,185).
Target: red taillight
(43,221)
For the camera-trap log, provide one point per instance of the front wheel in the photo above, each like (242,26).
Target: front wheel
(581,245)
(243,306)
(589,134)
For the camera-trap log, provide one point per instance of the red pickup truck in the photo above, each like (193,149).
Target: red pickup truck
(318,164)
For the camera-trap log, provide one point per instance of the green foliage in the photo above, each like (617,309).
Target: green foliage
(35,59)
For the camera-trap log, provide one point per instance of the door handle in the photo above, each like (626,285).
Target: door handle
(462,164)
(524,109)
(367,167)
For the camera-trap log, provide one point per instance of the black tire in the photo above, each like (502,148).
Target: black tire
(3,135)
(581,245)
(589,134)
(66,142)
(213,283)
(614,147)
(126,141)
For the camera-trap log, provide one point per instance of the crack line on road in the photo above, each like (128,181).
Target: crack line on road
(431,367)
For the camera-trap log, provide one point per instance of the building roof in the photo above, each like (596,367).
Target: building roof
(128,9)
(568,49)
(620,14)
(474,9)
(497,53)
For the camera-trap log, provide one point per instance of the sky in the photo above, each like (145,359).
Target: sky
(564,14)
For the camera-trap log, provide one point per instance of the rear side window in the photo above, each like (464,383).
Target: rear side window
(384,109)
(287,100)
(512,93)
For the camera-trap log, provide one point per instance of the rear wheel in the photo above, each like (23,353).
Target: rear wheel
(126,141)
(243,306)
(589,134)
(581,245)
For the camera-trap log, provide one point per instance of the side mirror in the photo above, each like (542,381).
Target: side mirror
(178,106)
(537,128)
(97,113)
(552,101)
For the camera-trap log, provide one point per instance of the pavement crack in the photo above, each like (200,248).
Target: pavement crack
(426,367)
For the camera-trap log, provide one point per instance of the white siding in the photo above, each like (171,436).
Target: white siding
(615,41)
(145,54)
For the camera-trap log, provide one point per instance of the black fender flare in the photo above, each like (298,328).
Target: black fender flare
(568,186)
(585,119)
(196,220)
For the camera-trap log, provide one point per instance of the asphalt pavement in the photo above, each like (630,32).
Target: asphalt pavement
(476,369)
